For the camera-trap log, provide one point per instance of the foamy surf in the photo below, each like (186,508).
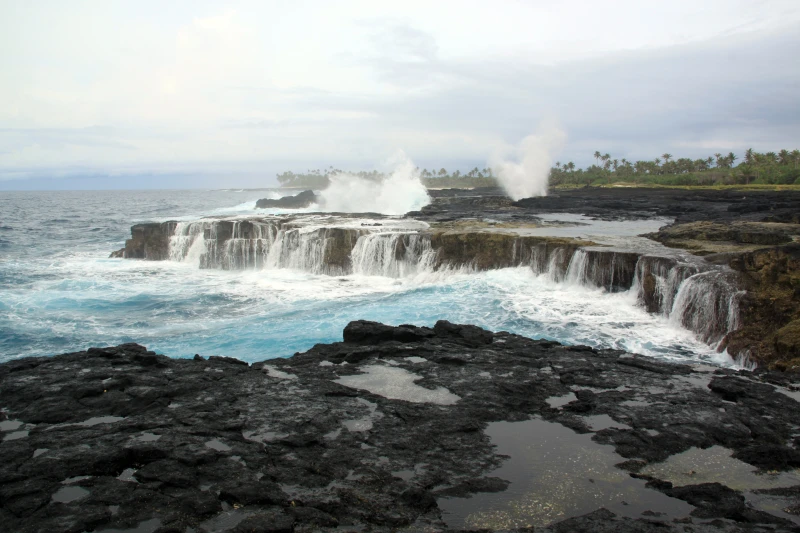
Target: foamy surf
(59,292)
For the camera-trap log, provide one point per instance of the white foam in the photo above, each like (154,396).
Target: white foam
(400,192)
(524,170)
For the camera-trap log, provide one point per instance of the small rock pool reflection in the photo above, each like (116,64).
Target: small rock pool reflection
(555,474)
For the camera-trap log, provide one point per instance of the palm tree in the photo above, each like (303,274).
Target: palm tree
(731,158)
(615,163)
(666,157)
(442,172)
(783,157)
(796,157)
(597,157)
(719,159)
(748,156)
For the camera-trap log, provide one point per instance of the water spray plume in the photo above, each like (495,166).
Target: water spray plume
(524,170)
(399,192)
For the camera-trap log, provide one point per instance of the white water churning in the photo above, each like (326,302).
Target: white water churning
(702,298)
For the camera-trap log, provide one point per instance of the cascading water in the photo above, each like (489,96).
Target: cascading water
(227,279)
(188,242)
(392,255)
(657,280)
(555,266)
(576,271)
(704,301)
(248,249)
(708,304)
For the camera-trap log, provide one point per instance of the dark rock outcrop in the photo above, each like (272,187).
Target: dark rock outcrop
(148,241)
(770,329)
(298,201)
(121,437)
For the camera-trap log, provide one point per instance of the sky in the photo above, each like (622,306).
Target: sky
(110,94)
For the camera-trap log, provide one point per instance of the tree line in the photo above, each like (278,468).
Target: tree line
(782,167)
(441,178)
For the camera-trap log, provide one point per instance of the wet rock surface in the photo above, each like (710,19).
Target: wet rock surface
(148,241)
(753,232)
(121,438)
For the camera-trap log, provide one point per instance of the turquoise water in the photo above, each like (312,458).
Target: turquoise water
(60,292)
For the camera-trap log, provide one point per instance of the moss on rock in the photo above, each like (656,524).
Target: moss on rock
(770,311)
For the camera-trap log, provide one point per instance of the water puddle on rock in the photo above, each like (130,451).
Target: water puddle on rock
(397,384)
(557,402)
(10,425)
(601,422)
(218,445)
(366,423)
(128,475)
(69,494)
(273,372)
(147,437)
(101,420)
(148,526)
(715,465)
(15,435)
(555,474)
(783,506)
(225,520)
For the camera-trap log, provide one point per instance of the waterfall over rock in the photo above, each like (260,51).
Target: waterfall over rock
(692,294)
(393,255)
(708,304)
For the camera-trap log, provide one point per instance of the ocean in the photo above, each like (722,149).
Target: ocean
(60,292)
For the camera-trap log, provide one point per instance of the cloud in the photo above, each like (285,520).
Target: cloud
(195,89)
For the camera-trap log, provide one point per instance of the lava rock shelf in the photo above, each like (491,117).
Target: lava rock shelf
(380,432)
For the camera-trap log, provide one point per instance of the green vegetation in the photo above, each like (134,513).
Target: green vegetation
(754,170)
(432,179)
(782,168)
(319,179)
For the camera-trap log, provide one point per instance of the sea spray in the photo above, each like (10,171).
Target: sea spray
(399,192)
(524,170)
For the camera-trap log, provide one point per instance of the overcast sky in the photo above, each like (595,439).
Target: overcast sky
(109,94)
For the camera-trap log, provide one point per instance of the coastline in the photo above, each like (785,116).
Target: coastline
(405,427)
(381,431)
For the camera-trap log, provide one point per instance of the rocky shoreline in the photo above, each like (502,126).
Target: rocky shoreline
(747,242)
(393,429)
(445,428)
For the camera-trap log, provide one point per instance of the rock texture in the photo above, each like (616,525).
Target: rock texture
(298,201)
(771,329)
(148,241)
(118,438)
